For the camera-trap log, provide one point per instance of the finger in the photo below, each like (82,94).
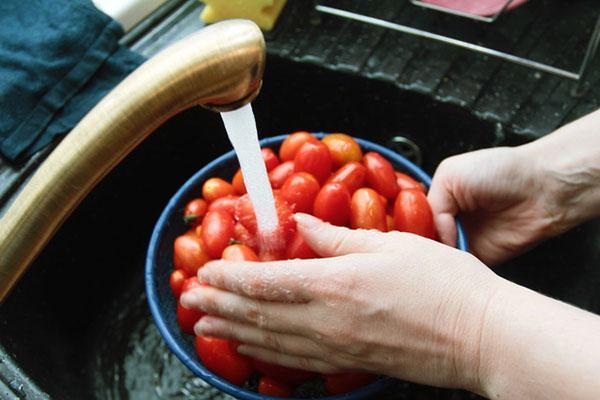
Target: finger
(273,357)
(444,207)
(279,317)
(287,281)
(280,342)
(329,241)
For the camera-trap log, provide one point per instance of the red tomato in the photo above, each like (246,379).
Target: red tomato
(412,213)
(238,182)
(271,160)
(280,174)
(300,190)
(271,387)
(217,231)
(351,175)
(291,376)
(380,175)
(222,358)
(226,204)
(384,201)
(186,318)
(189,253)
(298,248)
(215,188)
(367,212)
(343,148)
(292,144)
(194,211)
(346,382)
(244,213)
(315,159)
(239,252)
(241,235)
(176,281)
(406,182)
(333,204)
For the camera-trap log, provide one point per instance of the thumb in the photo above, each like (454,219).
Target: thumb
(330,241)
(444,207)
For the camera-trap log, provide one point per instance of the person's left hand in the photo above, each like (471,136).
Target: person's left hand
(388,303)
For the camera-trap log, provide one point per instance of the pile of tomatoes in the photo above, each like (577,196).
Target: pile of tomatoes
(331,179)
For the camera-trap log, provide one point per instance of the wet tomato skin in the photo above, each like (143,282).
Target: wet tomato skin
(194,211)
(315,159)
(176,280)
(226,203)
(367,210)
(270,158)
(214,188)
(217,231)
(380,175)
(333,204)
(406,182)
(271,387)
(189,253)
(412,213)
(343,148)
(346,382)
(187,318)
(291,376)
(280,174)
(298,248)
(222,358)
(239,252)
(238,182)
(353,175)
(292,144)
(299,191)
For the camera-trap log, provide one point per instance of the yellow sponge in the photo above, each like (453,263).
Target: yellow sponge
(263,12)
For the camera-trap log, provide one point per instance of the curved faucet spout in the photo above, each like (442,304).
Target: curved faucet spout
(220,68)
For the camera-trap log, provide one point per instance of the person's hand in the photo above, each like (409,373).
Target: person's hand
(503,197)
(388,303)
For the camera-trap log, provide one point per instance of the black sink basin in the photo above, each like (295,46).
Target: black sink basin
(77,324)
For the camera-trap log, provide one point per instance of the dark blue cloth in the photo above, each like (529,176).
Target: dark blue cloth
(58,58)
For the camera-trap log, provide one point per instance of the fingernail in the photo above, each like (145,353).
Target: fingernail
(187,299)
(307,221)
(202,327)
(242,349)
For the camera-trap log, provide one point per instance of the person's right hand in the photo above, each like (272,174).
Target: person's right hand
(504,200)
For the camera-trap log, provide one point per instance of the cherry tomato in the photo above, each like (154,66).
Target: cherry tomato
(186,318)
(215,188)
(343,148)
(194,211)
(271,160)
(292,144)
(298,248)
(333,204)
(217,231)
(291,376)
(176,281)
(406,182)
(272,387)
(280,174)
(346,382)
(239,252)
(226,204)
(189,253)
(315,159)
(241,235)
(351,175)
(221,357)
(238,182)
(300,190)
(384,201)
(380,175)
(390,222)
(367,212)
(244,213)
(413,214)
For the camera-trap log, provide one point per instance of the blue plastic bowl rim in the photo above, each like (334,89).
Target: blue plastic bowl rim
(195,366)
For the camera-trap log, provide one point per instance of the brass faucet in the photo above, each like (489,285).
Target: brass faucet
(219,67)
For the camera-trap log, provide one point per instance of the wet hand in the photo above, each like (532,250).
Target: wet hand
(387,303)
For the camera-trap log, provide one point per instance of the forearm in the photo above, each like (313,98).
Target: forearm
(534,347)
(569,164)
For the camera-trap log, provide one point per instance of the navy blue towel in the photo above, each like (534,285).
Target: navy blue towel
(58,58)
